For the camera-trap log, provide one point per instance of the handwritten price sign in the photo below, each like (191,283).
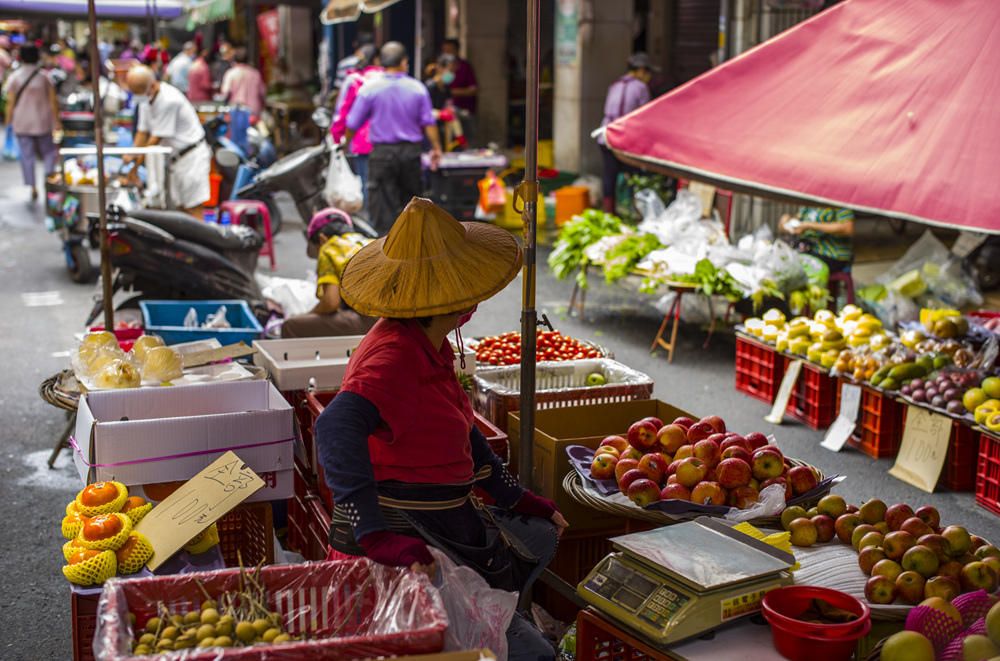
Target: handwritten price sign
(203,500)
(924,448)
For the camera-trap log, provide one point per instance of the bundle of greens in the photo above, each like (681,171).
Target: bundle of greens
(575,237)
(629,252)
(711,280)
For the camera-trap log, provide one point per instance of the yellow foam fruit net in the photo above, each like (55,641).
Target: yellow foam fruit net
(135,515)
(110,543)
(139,556)
(203,541)
(92,571)
(71,507)
(71,547)
(779,540)
(71,526)
(107,508)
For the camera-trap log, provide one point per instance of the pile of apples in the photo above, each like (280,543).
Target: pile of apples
(699,462)
(908,555)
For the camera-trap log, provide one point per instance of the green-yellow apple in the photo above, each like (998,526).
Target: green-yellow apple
(859,534)
(803,532)
(869,557)
(897,543)
(993,623)
(944,587)
(888,568)
(907,646)
(977,646)
(921,560)
(959,539)
(873,511)
(790,514)
(603,466)
(874,538)
(880,590)
(833,505)
(978,576)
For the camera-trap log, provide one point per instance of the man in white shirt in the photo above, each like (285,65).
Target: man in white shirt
(177,70)
(167,118)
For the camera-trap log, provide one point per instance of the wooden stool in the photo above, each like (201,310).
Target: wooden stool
(239,208)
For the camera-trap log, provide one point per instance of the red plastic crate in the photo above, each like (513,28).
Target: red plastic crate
(759,369)
(959,472)
(318,532)
(597,639)
(576,555)
(988,474)
(297,525)
(814,397)
(879,430)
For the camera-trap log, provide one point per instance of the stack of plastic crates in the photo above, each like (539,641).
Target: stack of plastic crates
(759,369)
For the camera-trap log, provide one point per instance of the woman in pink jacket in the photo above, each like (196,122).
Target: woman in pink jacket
(368,67)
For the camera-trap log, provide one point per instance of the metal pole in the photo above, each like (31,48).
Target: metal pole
(418,41)
(156,24)
(95,81)
(529,193)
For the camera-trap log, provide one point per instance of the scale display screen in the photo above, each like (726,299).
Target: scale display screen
(633,592)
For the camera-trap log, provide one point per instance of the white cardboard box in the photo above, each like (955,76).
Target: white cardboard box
(142,435)
(318,362)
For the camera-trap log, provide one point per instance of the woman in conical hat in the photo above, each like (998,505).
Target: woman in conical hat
(399,446)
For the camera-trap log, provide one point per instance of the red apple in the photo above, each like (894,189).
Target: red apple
(632,453)
(683,422)
(945,587)
(789,494)
(654,467)
(755,483)
(938,544)
(675,491)
(699,431)
(802,479)
(608,449)
(765,464)
(824,528)
(708,493)
(708,452)
(642,435)
(952,569)
(672,467)
(616,442)
(756,440)
(845,525)
(623,466)
(711,475)
(916,527)
(853,509)
(642,492)
(734,441)
(896,514)
(656,421)
(978,576)
(897,543)
(691,471)
(670,438)
(684,451)
(718,439)
(976,542)
(603,466)
(672,479)
(911,587)
(716,422)
(929,515)
(881,590)
(735,452)
(869,557)
(733,473)
(743,497)
(772,448)
(626,480)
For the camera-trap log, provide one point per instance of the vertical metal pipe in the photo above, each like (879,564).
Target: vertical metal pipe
(529,193)
(418,41)
(95,81)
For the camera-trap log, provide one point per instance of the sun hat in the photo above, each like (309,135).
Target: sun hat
(429,264)
(321,219)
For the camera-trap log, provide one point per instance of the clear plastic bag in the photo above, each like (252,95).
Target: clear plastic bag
(343,188)
(770,502)
(191,318)
(217,319)
(349,609)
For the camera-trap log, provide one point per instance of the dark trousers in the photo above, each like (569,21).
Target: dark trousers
(393,178)
(612,166)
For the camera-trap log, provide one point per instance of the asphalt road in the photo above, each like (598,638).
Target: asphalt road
(43,309)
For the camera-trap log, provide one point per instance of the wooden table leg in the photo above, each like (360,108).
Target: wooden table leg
(573,305)
(63,441)
(711,322)
(675,313)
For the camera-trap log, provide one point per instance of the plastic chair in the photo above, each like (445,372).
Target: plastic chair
(834,283)
(239,208)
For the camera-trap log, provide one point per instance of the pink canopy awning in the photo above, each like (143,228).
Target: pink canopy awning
(886,106)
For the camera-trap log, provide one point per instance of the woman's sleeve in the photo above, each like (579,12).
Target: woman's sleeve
(342,432)
(501,485)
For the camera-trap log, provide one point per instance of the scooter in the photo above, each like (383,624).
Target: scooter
(170,255)
(255,149)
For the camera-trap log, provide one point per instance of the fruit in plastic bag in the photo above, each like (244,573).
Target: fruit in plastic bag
(118,373)
(163,364)
(144,344)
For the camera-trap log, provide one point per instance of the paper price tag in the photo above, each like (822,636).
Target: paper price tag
(847,419)
(203,499)
(924,448)
(777,413)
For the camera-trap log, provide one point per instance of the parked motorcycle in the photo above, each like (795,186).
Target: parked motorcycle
(170,255)
(255,149)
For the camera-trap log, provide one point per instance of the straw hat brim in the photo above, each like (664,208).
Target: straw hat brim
(467,271)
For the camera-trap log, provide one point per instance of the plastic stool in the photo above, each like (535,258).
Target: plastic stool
(239,208)
(833,284)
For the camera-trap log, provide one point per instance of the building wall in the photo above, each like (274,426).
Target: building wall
(483,37)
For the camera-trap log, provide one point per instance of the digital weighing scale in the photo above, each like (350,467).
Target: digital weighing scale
(683,580)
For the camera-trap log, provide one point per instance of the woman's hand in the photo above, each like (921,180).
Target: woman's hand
(532,505)
(430,570)
(560,522)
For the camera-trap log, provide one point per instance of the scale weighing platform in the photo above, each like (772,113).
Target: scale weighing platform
(686,579)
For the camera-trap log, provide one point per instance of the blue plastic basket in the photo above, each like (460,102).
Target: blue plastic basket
(166,319)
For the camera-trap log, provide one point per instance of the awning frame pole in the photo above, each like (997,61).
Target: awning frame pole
(95,81)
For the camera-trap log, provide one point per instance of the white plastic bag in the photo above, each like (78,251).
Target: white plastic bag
(771,501)
(343,187)
(217,319)
(191,318)
(478,615)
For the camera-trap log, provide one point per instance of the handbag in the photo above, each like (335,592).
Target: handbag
(343,188)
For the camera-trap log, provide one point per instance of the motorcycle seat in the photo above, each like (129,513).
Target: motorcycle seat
(224,238)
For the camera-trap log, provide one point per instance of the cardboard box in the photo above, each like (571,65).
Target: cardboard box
(463,655)
(138,436)
(556,429)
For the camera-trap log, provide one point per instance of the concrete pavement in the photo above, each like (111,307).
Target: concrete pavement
(43,309)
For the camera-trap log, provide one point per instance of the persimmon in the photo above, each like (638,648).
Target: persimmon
(82,556)
(72,524)
(102,526)
(161,490)
(99,493)
(134,502)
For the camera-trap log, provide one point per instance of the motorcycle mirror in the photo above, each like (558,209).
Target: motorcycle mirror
(322,118)
(227,158)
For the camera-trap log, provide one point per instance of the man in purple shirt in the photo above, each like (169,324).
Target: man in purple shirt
(400,111)
(624,95)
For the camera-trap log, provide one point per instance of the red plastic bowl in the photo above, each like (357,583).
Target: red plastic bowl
(796,645)
(784,605)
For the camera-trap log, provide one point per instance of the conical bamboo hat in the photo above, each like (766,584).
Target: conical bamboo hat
(429,264)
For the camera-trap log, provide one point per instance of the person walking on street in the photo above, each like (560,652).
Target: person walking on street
(463,87)
(167,118)
(361,146)
(223,60)
(243,85)
(33,113)
(199,79)
(624,95)
(400,111)
(350,63)
(177,70)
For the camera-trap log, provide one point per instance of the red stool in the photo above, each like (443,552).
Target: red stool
(239,208)
(833,284)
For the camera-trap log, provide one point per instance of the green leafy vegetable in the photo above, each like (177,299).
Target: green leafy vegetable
(575,237)
(711,280)
(629,252)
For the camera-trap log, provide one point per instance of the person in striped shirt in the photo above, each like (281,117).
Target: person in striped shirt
(827,231)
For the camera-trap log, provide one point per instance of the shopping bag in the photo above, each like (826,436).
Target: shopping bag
(492,193)
(343,187)
(11,152)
